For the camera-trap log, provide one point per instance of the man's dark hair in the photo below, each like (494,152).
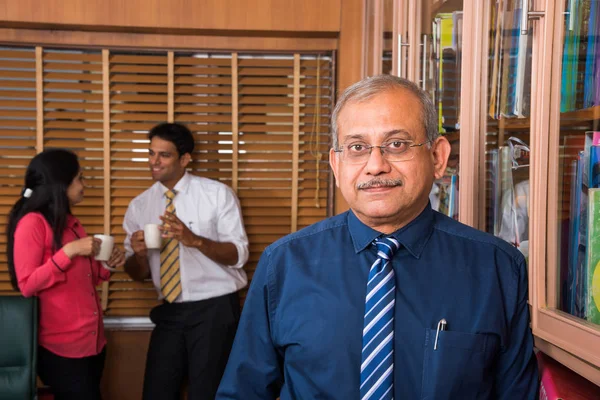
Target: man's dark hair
(177,134)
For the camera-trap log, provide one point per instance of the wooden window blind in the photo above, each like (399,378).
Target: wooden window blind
(261,124)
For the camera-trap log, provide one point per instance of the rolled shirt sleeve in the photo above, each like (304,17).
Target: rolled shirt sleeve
(231,225)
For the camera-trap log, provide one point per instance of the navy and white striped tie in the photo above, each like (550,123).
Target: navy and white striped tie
(377,367)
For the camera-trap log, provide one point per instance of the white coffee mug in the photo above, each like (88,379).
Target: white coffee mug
(106,248)
(152,236)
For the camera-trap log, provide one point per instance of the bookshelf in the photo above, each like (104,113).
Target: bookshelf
(555,129)
(520,123)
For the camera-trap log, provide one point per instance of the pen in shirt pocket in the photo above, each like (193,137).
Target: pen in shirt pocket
(441,326)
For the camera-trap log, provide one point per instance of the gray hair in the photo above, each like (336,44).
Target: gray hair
(370,87)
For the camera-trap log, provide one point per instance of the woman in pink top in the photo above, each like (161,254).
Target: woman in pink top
(51,256)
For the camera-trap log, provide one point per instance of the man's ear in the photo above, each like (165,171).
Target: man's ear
(185,159)
(440,151)
(333,163)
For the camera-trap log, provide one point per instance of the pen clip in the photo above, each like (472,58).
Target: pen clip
(441,326)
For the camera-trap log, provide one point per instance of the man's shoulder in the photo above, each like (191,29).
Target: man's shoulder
(141,198)
(311,233)
(475,237)
(201,183)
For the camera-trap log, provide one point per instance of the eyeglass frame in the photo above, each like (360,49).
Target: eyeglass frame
(382,150)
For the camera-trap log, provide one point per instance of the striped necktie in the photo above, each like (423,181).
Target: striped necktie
(170,281)
(377,366)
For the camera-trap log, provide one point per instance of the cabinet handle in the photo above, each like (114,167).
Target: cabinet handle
(526,15)
(400,44)
(571,15)
(423,85)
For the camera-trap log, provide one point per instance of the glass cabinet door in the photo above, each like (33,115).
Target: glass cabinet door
(566,318)
(507,140)
(440,75)
(421,40)
(379,37)
(387,60)
(578,193)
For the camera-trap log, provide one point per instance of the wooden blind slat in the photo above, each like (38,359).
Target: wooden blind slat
(243,139)
(189,60)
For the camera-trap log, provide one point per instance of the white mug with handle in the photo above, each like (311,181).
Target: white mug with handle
(152,236)
(106,248)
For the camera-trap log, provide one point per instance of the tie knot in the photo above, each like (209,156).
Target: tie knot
(170,194)
(386,247)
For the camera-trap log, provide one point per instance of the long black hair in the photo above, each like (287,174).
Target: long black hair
(47,178)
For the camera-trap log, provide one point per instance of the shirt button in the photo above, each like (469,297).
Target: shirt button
(89,274)
(93,333)
(95,313)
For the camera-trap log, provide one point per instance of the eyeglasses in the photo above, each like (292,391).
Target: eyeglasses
(393,151)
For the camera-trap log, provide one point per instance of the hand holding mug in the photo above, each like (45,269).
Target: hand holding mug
(138,245)
(117,258)
(87,246)
(109,255)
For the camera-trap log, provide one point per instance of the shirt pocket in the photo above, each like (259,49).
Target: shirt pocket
(201,224)
(459,367)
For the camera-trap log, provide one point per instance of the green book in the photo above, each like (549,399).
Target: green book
(592,292)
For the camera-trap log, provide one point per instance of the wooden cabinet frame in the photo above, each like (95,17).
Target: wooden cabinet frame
(572,341)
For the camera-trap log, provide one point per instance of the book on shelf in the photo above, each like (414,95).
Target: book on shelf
(444,55)
(576,247)
(522,91)
(558,382)
(591,61)
(570,58)
(509,54)
(584,230)
(592,289)
(497,34)
(504,186)
(511,59)
(492,181)
(580,64)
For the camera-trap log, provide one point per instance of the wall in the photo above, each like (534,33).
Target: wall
(125,360)
(230,15)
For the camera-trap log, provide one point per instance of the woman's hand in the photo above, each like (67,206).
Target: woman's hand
(117,258)
(87,246)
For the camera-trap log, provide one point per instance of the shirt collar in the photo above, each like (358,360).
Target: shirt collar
(413,236)
(180,187)
(72,221)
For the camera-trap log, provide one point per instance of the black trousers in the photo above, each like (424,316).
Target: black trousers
(71,378)
(190,340)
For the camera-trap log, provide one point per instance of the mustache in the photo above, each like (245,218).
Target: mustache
(377,182)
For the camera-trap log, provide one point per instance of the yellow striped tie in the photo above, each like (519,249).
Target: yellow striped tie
(170,280)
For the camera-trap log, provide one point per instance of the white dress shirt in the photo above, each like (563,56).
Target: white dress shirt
(209,209)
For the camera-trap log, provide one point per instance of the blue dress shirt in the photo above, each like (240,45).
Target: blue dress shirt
(300,335)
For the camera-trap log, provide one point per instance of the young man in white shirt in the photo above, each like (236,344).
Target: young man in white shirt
(197,272)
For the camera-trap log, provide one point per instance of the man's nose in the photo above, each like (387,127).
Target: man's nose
(377,162)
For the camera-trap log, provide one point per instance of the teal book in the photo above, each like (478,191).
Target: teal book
(593,249)
(570,60)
